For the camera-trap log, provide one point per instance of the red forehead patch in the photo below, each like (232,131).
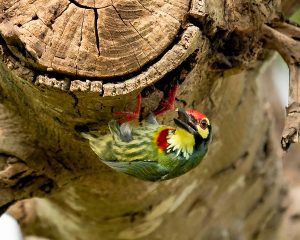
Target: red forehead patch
(197,115)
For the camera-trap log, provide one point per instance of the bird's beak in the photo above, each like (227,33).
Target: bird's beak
(185,122)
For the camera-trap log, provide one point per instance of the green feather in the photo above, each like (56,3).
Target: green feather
(135,152)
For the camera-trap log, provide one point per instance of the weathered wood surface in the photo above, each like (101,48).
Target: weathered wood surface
(92,38)
(285,38)
(56,79)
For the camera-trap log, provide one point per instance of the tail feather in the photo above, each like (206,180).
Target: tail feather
(87,136)
(97,143)
(114,128)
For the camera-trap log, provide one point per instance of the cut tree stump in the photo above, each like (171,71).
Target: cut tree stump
(67,65)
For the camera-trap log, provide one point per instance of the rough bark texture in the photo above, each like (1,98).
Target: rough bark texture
(285,38)
(67,65)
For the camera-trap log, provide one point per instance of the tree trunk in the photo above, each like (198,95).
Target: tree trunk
(67,65)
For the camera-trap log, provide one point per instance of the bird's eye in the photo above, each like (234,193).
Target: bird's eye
(203,124)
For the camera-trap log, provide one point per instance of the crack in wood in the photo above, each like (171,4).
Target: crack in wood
(145,7)
(146,66)
(96,31)
(57,16)
(87,7)
(75,104)
(17,175)
(80,5)
(114,7)
(146,40)
(128,42)
(80,43)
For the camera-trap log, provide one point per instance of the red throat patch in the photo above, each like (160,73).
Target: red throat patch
(161,139)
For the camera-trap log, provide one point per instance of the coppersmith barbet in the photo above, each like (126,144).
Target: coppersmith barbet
(155,152)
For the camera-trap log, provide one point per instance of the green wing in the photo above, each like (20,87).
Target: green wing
(130,151)
(145,170)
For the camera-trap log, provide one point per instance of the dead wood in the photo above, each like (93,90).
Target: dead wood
(285,38)
(67,65)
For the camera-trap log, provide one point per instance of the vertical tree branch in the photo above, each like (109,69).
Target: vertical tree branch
(285,38)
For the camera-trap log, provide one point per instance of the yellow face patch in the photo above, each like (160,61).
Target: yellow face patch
(203,132)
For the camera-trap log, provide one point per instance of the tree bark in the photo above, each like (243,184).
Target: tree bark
(67,65)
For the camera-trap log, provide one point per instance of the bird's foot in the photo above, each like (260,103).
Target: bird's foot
(166,105)
(129,116)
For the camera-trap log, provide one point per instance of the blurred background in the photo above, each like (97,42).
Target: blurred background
(275,76)
(291,163)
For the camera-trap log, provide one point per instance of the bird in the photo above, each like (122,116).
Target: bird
(154,152)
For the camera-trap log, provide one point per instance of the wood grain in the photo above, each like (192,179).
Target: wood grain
(91,38)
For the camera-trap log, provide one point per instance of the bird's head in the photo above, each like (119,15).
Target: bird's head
(194,122)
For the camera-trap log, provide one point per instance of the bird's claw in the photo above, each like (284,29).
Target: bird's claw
(129,116)
(165,106)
